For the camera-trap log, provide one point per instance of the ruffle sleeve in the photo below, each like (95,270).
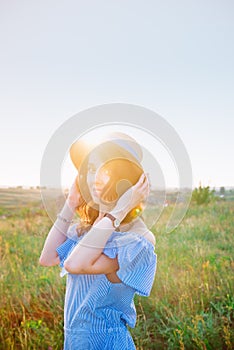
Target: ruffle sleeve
(137,261)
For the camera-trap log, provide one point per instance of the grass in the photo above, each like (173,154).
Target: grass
(191,304)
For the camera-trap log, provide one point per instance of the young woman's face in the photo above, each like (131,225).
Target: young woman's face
(97,178)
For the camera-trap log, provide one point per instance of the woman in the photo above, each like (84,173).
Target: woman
(109,256)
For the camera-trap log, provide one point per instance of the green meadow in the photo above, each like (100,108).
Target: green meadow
(191,304)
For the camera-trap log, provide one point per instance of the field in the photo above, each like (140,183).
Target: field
(191,304)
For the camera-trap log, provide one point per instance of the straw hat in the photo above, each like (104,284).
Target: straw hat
(129,147)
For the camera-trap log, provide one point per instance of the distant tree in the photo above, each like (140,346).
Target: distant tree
(222,190)
(203,195)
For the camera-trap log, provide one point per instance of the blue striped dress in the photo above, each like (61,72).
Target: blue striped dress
(97,311)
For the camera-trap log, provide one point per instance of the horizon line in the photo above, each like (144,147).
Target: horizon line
(67,187)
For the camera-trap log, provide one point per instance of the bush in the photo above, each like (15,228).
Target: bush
(203,195)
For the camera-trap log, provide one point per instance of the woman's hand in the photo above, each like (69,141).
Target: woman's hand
(137,193)
(74,197)
(132,197)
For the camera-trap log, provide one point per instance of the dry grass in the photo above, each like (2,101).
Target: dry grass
(191,304)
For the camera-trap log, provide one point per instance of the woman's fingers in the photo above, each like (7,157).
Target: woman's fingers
(74,195)
(141,180)
(141,189)
(145,186)
(137,193)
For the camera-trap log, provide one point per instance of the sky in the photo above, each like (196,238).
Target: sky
(58,58)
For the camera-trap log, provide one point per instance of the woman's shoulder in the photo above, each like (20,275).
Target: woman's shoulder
(137,234)
(150,237)
(140,228)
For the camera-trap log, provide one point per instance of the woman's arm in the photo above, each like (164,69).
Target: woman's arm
(88,251)
(57,234)
(106,265)
(103,264)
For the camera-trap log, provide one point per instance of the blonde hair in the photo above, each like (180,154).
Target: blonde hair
(123,171)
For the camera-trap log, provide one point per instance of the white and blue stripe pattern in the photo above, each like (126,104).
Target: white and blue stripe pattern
(97,311)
